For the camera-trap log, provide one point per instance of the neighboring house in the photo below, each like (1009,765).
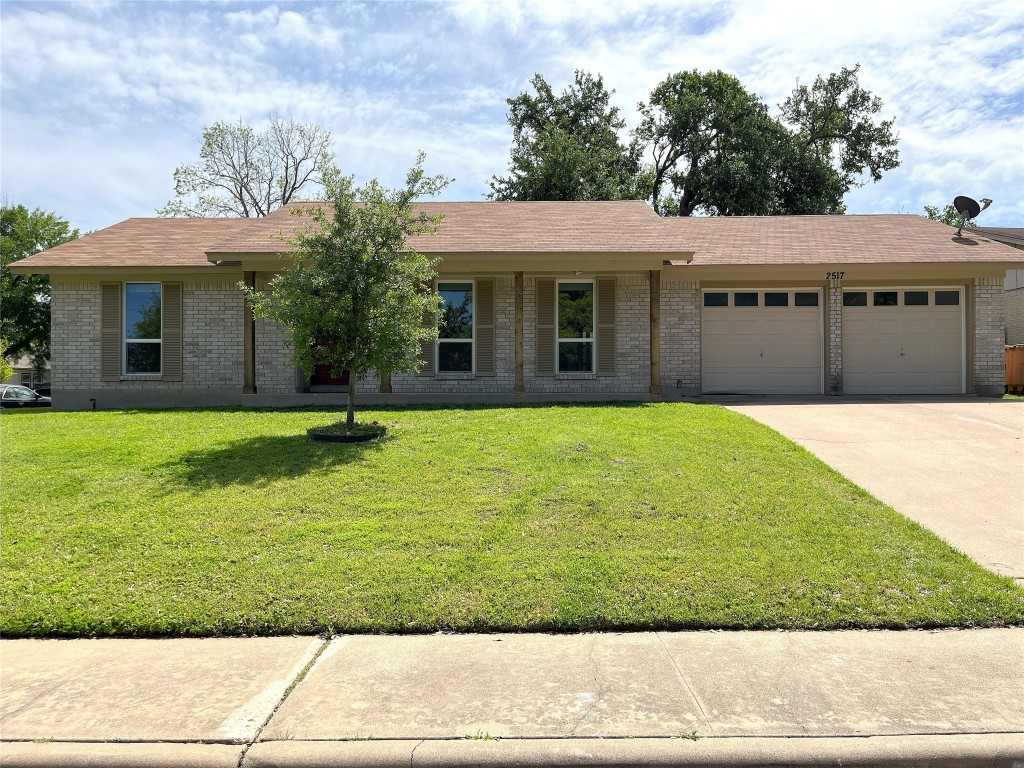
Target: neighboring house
(1014,297)
(561,300)
(25,373)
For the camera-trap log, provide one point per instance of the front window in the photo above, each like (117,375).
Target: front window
(455,328)
(142,328)
(575,327)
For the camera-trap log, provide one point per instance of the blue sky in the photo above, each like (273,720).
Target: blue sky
(100,101)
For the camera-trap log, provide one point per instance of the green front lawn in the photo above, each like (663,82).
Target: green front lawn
(534,518)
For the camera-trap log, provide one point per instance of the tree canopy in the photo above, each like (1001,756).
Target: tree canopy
(25,299)
(717,150)
(711,146)
(250,173)
(567,146)
(353,294)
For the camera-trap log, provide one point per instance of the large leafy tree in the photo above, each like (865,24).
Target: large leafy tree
(567,146)
(715,148)
(354,294)
(250,173)
(25,299)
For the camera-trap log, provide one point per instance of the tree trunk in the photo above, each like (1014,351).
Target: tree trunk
(350,419)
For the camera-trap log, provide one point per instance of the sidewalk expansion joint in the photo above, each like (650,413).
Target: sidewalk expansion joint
(284,696)
(686,683)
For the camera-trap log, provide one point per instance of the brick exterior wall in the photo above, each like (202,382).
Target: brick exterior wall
(211,342)
(275,371)
(1014,307)
(989,334)
(680,338)
(834,335)
(632,343)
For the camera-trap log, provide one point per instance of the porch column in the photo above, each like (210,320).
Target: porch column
(655,332)
(834,332)
(520,381)
(385,384)
(249,341)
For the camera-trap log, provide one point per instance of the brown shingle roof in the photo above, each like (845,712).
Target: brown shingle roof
(628,226)
(550,227)
(849,239)
(140,243)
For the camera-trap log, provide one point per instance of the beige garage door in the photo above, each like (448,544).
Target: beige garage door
(903,341)
(762,341)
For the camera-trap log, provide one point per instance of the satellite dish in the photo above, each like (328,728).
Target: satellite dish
(968,208)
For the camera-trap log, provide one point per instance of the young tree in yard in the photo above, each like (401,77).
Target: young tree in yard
(243,172)
(567,146)
(716,149)
(25,299)
(354,293)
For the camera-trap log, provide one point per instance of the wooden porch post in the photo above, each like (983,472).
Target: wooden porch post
(520,382)
(249,341)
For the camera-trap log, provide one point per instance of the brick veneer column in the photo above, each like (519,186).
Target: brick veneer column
(834,321)
(989,334)
(680,337)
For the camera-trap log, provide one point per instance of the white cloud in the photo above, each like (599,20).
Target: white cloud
(126,89)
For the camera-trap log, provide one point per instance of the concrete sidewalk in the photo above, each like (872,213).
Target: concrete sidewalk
(690,698)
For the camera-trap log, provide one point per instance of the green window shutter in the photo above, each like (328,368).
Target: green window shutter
(172,320)
(545,327)
(606,326)
(427,348)
(483,310)
(110,332)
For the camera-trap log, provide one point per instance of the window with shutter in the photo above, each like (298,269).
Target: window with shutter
(143,328)
(575,326)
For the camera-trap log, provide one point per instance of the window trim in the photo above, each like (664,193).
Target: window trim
(593,328)
(472,340)
(125,341)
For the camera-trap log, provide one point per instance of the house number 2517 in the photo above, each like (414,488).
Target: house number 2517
(834,275)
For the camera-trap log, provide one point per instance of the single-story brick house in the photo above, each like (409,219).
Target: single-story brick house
(550,300)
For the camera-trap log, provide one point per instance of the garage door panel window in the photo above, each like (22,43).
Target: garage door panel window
(855,299)
(801,299)
(885,298)
(776,299)
(455,328)
(143,336)
(915,299)
(744,299)
(716,299)
(576,327)
(947,298)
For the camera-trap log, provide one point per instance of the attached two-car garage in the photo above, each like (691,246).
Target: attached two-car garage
(895,340)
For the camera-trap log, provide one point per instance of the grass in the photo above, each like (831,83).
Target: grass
(148,523)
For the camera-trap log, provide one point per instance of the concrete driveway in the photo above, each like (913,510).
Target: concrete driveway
(955,465)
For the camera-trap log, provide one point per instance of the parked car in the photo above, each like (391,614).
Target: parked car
(43,389)
(22,397)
